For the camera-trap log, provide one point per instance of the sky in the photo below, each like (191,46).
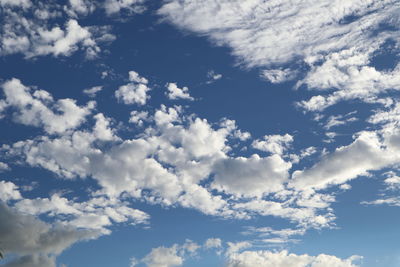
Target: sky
(231,133)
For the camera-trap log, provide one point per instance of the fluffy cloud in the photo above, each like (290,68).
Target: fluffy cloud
(8,191)
(174,92)
(43,28)
(252,176)
(348,73)
(213,243)
(139,117)
(113,7)
(163,257)
(169,256)
(134,92)
(285,259)
(38,108)
(178,159)
(21,3)
(275,144)
(366,153)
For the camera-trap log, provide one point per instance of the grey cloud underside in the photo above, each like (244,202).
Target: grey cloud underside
(35,241)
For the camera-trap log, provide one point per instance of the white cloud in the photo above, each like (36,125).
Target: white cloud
(168,162)
(82,7)
(348,74)
(334,121)
(4,166)
(97,213)
(367,153)
(163,257)
(139,117)
(102,130)
(390,115)
(9,191)
(305,216)
(213,243)
(314,36)
(263,33)
(135,77)
(174,92)
(37,108)
(21,3)
(91,92)
(278,75)
(393,181)
(391,201)
(275,144)
(284,259)
(262,175)
(40,35)
(213,76)
(282,235)
(134,92)
(113,7)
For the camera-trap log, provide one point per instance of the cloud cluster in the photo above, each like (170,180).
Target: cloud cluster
(32,28)
(167,163)
(238,254)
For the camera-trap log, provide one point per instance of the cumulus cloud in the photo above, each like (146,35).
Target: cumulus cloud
(40,28)
(8,191)
(139,117)
(174,92)
(275,144)
(38,108)
(34,39)
(366,153)
(347,73)
(134,92)
(263,175)
(170,256)
(178,159)
(113,7)
(285,259)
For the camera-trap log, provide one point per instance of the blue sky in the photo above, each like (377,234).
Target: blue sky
(199,133)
